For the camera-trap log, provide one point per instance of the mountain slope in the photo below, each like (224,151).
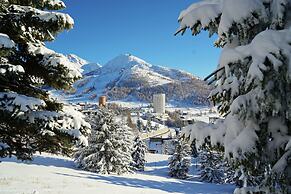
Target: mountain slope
(86,66)
(129,78)
(77,60)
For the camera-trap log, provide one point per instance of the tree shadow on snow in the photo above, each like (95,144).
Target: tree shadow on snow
(159,163)
(43,160)
(154,168)
(174,186)
(159,168)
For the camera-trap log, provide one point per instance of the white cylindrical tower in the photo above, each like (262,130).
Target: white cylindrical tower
(159,102)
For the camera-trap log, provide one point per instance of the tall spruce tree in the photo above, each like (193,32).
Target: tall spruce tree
(30,120)
(138,154)
(180,161)
(109,146)
(252,86)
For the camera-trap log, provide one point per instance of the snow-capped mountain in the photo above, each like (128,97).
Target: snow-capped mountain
(129,78)
(83,64)
(77,60)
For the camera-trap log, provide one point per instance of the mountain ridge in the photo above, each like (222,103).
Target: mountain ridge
(129,78)
(83,64)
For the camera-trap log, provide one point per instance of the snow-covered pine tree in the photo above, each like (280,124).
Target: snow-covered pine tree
(129,121)
(30,120)
(138,154)
(109,146)
(126,136)
(139,125)
(180,161)
(148,126)
(252,86)
(212,166)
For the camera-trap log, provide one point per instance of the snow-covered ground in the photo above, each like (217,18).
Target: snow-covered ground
(49,174)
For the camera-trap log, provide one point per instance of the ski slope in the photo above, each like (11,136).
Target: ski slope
(49,174)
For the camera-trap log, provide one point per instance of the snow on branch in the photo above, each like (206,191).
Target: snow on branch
(278,10)
(202,15)
(40,4)
(3,146)
(252,87)
(5,67)
(65,19)
(233,20)
(6,42)
(62,20)
(51,4)
(30,109)
(282,163)
(238,12)
(10,100)
(288,146)
(269,44)
(201,131)
(50,58)
(237,140)
(67,121)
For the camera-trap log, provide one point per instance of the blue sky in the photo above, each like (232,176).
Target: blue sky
(145,28)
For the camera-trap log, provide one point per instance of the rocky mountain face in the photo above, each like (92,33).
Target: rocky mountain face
(129,78)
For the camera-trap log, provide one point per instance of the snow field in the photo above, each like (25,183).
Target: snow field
(49,174)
